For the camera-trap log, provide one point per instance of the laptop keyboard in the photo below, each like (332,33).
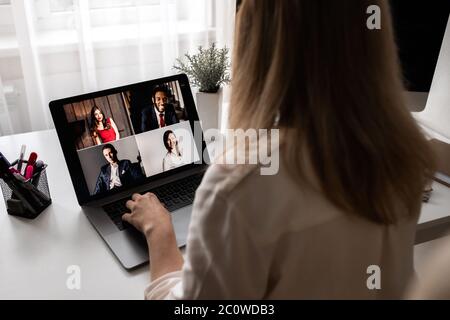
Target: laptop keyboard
(173,196)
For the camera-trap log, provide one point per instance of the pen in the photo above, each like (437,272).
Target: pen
(22,154)
(38,167)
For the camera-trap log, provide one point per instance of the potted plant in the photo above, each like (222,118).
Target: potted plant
(207,70)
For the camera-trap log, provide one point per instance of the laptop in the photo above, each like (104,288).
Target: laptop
(138,138)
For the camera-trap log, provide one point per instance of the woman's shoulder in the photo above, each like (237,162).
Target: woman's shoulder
(244,183)
(224,180)
(227,180)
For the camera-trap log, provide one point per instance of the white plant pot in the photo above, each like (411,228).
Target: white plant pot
(209,108)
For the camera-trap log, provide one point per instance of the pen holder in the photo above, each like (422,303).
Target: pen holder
(27,198)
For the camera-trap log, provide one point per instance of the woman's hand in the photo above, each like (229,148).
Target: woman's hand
(150,217)
(147,213)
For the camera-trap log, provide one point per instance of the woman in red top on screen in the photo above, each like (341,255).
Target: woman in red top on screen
(103,129)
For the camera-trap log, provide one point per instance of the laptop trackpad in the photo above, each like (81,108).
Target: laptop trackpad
(130,246)
(181,219)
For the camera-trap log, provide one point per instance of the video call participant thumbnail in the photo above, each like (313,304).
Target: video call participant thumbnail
(159,114)
(116,173)
(103,129)
(173,157)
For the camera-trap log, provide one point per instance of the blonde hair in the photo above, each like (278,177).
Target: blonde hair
(335,88)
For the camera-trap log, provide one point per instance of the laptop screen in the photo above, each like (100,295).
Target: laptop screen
(123,138)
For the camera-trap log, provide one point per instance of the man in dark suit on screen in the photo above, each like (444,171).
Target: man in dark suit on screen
(116,173)
(160,114)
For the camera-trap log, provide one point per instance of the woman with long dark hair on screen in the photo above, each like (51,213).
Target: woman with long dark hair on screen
(103,130)
(173,157)
(338,219)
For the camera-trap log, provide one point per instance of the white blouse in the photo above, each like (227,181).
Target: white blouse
(266,237)
(114,180)
(172,161)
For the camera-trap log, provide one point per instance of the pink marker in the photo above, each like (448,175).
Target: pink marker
(29,170)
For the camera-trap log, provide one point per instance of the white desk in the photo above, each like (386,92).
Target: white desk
(34,255)
(434,221)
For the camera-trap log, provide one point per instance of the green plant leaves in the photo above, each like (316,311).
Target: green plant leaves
(208,69)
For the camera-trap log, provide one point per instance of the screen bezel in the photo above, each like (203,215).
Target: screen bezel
(70,151)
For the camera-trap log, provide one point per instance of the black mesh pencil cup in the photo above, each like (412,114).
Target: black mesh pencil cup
(26,198)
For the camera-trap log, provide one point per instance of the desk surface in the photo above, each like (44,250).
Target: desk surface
(35,255)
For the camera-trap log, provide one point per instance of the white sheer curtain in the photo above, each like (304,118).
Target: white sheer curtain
(51,49)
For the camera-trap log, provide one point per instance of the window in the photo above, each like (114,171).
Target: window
(58,6)
(59,14)
(79,46)
(61,5)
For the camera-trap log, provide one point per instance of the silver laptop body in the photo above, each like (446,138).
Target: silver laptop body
(128,245)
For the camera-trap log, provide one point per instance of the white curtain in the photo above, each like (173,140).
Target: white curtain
(50,49)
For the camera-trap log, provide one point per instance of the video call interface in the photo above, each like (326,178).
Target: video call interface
(126,137)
